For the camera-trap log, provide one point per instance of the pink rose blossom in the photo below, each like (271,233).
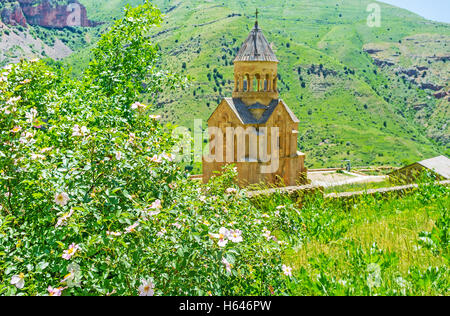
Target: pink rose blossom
(69,253)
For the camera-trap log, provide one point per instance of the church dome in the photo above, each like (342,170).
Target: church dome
(256,48)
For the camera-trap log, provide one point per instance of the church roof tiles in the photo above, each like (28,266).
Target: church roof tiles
(242,111)
(256,48)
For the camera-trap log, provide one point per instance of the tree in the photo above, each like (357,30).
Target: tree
(125,59)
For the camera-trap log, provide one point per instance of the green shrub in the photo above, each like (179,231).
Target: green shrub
(93,203)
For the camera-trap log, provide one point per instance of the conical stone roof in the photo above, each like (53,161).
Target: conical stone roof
(256,48)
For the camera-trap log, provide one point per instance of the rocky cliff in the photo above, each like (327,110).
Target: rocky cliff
(13,15)
(47,13)
(421,62)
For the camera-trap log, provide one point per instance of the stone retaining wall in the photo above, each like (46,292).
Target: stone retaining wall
(298,193)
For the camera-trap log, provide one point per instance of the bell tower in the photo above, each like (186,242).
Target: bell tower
(256,70)
(255,130)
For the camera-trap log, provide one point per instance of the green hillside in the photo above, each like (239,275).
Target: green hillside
(93,203)
(351,105)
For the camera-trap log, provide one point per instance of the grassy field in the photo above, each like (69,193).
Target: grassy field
(378,246)
(358,187)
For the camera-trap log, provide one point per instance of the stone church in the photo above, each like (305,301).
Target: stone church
(254,129)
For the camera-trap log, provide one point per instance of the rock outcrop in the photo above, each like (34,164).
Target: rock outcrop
(13,15)
(45,13)
(440,94)
(431,86)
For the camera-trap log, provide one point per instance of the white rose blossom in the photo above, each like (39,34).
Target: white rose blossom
(146,288)
(61,199)
(287,271)
(18,281)
(227,265)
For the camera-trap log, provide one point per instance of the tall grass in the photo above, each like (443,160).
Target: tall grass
(377,245)
(353,187)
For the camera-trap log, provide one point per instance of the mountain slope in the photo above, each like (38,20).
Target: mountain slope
(42,28)
(349,107)
(353,100)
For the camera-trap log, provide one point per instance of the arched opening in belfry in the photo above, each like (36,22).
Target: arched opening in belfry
(255,83)
(247,83)
(237,85)
(266,83)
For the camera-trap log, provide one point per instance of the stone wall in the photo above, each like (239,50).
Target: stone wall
(291,172)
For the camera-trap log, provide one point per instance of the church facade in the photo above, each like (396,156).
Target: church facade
(254,129)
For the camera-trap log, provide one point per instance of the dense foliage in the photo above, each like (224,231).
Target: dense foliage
(91,199)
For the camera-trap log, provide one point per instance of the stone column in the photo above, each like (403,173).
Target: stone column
(294,138)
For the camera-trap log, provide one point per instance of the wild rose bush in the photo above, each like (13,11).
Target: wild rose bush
(93,203)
